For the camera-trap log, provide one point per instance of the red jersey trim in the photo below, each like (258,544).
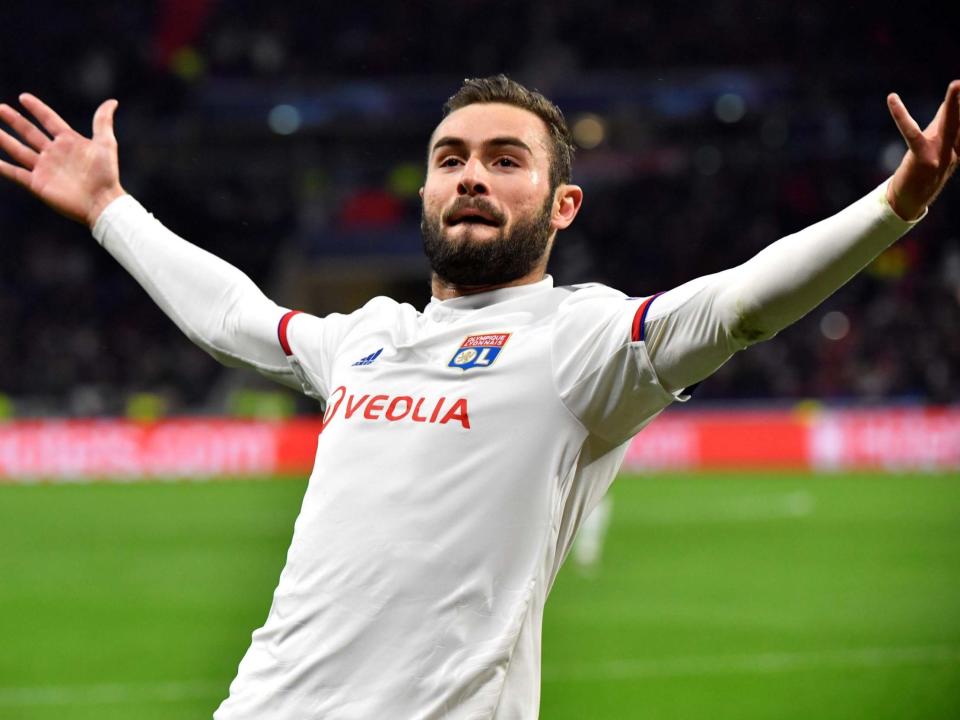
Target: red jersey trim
(282,331)
(638,332)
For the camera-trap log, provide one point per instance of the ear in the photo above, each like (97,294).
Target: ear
(566,205)
(421,194)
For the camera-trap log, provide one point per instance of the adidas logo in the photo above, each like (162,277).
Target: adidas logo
(368,360)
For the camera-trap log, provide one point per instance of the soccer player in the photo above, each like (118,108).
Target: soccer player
(463,444)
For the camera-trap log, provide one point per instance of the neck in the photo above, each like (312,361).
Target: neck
(444,290)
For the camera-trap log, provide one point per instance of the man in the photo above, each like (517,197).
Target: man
(463,444)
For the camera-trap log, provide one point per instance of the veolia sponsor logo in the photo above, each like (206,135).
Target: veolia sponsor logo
(396,408)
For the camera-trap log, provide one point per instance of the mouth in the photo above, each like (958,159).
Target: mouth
(472,216)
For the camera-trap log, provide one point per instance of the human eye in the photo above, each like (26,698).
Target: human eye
(448,161)
(506,162)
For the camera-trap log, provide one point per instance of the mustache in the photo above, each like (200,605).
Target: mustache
(468,203)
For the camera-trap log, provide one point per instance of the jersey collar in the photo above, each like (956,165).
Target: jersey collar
(486,299)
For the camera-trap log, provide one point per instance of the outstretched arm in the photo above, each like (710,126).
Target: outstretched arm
(694,329)
(214,304)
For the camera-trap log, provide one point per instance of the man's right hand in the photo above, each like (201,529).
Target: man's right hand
(76,176)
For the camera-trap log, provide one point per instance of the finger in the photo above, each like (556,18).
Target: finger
(17,150)
(950,127)
(24,128)
(956,138)
(51,122)
(17,174)
(103,121)
(905,124)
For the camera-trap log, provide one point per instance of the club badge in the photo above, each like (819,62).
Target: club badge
(478,350)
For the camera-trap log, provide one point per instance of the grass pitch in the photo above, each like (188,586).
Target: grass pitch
(717,596)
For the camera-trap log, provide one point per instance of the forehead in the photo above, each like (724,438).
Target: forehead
(479,122)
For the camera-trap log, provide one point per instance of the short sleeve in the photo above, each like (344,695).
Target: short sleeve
(309,343)
(603,372)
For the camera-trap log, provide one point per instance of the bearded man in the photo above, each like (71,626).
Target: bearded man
(463,444)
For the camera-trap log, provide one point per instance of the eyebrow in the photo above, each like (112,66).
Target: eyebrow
(504,141)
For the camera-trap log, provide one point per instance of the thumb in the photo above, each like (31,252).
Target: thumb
(103,121)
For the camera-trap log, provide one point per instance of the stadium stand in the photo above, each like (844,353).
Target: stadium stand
(301,165)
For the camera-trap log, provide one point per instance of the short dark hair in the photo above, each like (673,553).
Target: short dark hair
(501,89)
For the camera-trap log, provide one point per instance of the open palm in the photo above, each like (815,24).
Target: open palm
(75,175)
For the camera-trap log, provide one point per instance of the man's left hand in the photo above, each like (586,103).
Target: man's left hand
(932,155)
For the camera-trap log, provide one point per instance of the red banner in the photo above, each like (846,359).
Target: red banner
(79,450)
(89,449)
(902,438)
(888,438)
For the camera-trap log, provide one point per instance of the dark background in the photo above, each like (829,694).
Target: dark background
(289,138)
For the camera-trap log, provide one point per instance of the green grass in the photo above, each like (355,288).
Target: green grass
(718,596)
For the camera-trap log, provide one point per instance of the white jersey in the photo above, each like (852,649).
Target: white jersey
(461,448)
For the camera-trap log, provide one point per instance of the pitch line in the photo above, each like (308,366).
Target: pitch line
(689,666)
(110,693)
(757,664)
(754,508)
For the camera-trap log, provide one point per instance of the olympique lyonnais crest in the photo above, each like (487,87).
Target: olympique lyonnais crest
(479,350)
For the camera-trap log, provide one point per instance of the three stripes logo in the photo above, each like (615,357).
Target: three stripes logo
(368,360)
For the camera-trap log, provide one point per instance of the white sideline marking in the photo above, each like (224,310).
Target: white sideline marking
(755,508)
(689,666)
(110,693)
(757,664)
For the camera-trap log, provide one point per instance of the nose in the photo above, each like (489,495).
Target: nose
(472,180)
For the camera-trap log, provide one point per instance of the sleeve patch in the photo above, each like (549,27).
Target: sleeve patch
(282,331)
(638,332)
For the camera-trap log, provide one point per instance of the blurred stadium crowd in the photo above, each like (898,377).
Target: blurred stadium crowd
(291,142)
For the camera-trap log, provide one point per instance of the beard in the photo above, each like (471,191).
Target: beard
(469,261)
